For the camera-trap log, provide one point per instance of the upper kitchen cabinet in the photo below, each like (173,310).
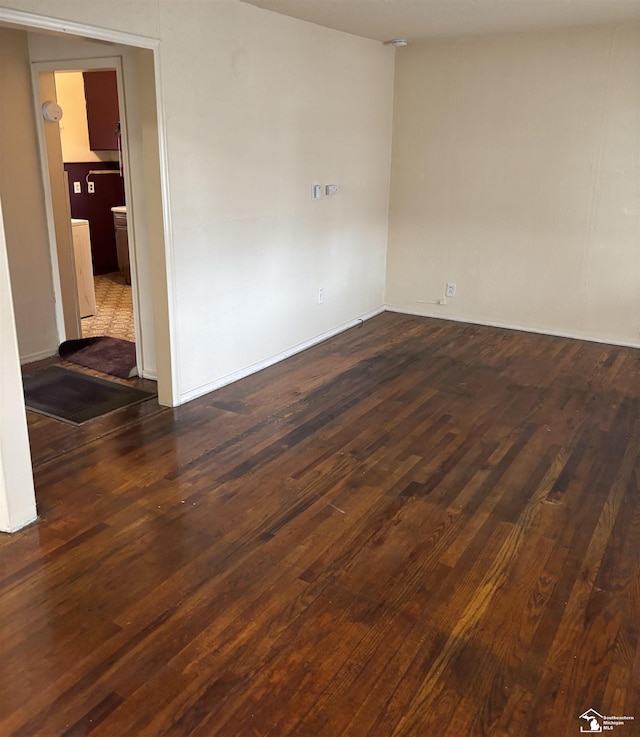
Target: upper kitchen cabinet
(103,116)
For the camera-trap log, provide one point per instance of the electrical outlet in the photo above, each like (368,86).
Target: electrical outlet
(77,188)
(451,289)
(91,187)
(331,189)
(316,192)
(320,296)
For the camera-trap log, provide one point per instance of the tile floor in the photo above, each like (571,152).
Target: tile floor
(115,309)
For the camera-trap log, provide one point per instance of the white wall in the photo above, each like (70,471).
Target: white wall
(17,496)
(516,175)
(22,194)
(259,107)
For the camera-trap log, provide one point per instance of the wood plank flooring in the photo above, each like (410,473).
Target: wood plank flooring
(50,438)
(416,528)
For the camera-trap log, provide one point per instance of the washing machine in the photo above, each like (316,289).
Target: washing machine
(84,267)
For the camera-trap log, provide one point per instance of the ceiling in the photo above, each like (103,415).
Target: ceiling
(421,19)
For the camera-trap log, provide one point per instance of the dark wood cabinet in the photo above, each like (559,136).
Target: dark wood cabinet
(122,244)
(103,115)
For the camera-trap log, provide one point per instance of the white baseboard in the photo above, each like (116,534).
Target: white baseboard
(254,368)
(31,357)
(509,326)
(21,526)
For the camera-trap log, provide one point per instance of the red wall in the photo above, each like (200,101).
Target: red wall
(96,208)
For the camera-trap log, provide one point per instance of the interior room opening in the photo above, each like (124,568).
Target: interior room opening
(90,137)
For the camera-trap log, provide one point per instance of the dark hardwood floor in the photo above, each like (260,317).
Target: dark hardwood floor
(50,438)
(417,528)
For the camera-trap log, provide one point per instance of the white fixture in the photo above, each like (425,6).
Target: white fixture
(51,111)
(91,187)
(397,42)
(441,301)
(331,189)
(451,289)
(77,188)
(320,296)
(316,192)
(84,267)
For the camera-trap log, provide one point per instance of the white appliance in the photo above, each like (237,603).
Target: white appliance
(84,267)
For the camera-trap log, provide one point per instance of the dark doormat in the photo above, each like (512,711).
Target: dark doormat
(109,355)
(74,397)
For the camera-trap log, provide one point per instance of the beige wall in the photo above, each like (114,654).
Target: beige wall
(22,196)
(516,175)
(74,132)
(64,262)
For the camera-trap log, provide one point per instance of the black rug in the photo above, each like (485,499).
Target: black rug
(74,397)
(110,355)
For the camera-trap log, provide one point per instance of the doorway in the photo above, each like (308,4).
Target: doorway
(87,168)
(90,137)
(145,195)
(28,277)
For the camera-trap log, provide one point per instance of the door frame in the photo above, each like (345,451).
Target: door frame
(17,497)
(164,287)
(81,65)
